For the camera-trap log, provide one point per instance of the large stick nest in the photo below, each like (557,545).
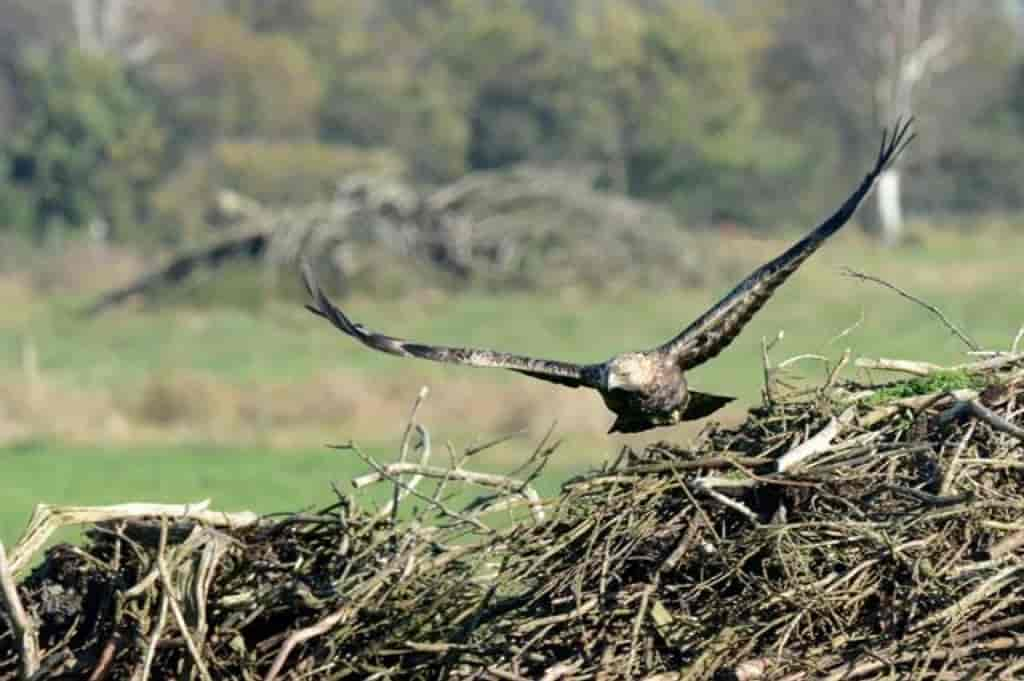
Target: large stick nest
(849,533)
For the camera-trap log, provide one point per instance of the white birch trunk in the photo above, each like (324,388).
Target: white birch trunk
(114,28)
(890,207)
(83,13)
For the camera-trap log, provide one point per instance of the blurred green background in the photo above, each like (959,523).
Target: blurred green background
(561,178)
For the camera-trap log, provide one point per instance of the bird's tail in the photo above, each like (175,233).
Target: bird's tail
(704,404)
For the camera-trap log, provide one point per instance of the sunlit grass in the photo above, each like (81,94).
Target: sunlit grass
(233,477)
(281,341)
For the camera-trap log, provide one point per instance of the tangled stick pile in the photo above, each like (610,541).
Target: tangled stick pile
(845,533)
(523,227)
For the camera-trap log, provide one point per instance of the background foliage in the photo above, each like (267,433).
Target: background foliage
(126,123)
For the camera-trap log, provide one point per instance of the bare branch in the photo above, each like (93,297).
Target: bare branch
(819,444)
(977,410)
(47,519)
(359,597)
(905,366)
(24,628)
(931,308)
(1007,545)
(800,358)
(393,472)
(172,600)
(154,639)
(391,508)
(492,480)
(403,455)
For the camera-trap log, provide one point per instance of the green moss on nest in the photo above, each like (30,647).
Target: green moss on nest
(940,381)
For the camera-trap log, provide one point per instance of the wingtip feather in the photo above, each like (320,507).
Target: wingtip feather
(322,306)
(308,279)
(894,142)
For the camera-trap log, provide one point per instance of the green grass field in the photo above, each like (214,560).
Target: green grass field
(182,402)
(233,477)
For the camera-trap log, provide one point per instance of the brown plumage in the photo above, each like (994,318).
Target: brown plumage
(645,389)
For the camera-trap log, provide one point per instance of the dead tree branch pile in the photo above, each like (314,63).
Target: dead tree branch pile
(526,227)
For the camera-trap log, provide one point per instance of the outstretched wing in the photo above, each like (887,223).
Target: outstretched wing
(719,326)
(563,373)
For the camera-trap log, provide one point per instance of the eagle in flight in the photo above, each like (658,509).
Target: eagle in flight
(645,389)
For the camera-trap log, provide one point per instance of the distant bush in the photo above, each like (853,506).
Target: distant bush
(183,399)
(283,172)
(89,150)
(221,80)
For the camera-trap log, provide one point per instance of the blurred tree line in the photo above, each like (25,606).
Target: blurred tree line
(123,117)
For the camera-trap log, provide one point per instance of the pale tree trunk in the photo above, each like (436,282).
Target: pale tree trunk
(112,28)
(884,59)
(914,46)
(84,15)
(890,207)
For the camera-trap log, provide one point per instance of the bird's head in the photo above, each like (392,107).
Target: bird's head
(630,371)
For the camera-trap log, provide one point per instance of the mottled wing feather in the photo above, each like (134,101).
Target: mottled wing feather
(563,373)
(719,326)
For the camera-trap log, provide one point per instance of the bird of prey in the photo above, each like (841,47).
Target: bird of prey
(645,389)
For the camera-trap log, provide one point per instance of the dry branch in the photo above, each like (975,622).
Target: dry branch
(172,600)
(901,365)
(47,519)
(917,368)
(491,480)
(928,306)
(24,629)
(819,444)
(974,409)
